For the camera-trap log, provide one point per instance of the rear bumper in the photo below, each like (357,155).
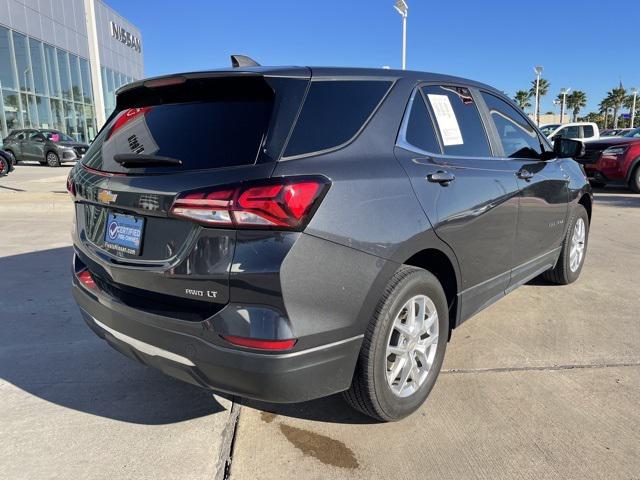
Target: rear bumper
(179,350)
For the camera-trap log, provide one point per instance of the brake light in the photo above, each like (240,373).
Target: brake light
(87,280)
(286,203)
(261,344)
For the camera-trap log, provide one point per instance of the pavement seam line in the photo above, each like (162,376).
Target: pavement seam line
(455,371)
(227,442)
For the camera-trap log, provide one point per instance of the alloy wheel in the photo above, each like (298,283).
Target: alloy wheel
(576,253)
(411,346)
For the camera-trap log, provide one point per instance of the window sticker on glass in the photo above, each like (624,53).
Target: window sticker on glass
(446,119)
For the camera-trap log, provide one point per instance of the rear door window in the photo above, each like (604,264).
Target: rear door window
(518,138)
(588,131)
(333,113)
(569,132)
(458,120)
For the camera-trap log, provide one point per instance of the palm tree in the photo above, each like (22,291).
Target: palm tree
(604,107)
(576,101)
(522,99)
(617,97)
(543,89)
(628,103)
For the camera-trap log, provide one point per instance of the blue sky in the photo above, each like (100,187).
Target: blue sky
(581,44)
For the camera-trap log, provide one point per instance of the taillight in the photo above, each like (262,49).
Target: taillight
(87,280)
(261,344)
(71,188)
(286,203)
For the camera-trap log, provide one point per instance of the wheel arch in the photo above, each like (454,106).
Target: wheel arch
(442,267)
(635,163)
(587,203)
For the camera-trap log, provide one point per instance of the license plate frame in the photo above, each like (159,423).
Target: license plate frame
(124,233)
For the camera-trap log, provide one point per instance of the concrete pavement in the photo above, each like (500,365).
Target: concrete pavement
(71,407)
(544,384)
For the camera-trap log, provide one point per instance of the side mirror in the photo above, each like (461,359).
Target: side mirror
(567,148)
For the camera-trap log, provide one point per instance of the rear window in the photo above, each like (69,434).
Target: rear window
(201,134)
(205,122)
(333,112)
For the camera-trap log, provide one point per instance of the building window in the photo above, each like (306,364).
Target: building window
(42,86)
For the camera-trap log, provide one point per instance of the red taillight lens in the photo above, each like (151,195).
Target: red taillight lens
(87,280)
(282,203)
(261,344)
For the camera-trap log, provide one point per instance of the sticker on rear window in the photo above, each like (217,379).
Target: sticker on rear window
(446,119)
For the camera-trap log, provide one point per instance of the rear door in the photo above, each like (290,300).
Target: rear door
(543,199)
(224,129)
(17,143)
(470,197)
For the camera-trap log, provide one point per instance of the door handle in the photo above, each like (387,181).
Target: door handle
(442,177)
(524,174)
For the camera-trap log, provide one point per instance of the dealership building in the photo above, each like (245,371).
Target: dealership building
(61,62)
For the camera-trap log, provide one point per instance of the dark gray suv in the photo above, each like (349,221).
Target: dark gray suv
(284,234)
(49,147)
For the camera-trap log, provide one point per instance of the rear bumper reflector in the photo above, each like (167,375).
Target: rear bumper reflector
(145,347)
(261,344)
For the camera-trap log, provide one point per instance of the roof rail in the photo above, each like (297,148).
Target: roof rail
(243,61)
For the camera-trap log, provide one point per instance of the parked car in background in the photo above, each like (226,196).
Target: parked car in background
(614,132)
(6,163)
(49,147)
(577,131)
(284,234)
(614,160)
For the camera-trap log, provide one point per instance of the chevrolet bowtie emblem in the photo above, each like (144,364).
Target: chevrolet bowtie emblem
(106,196)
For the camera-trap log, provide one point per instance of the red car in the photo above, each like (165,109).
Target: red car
(6,165)
(614,160)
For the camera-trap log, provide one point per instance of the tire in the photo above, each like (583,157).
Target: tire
(563,273)
(12,157)
(371,392)
(52,159)
(634,180)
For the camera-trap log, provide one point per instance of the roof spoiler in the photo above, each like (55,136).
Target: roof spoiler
(238,61)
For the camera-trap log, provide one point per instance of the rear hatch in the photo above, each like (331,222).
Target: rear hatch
(169,136)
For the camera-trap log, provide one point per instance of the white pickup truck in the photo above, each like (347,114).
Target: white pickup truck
(576,131)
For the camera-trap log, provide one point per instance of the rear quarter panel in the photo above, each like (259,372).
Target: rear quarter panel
(370,222)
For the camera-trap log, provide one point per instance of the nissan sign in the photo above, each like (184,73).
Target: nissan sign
(125,37)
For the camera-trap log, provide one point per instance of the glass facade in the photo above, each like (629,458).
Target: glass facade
(42,86)
(111,82)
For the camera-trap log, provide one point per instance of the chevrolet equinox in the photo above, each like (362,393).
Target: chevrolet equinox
(284,234)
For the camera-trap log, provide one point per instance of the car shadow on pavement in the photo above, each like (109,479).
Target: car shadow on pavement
(331,409)
(47,350)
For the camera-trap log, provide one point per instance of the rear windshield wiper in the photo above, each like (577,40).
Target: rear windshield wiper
(132,160)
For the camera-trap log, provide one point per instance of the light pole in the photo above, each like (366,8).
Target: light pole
(403,9)
(634,91)
(538,69)
(563,92)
